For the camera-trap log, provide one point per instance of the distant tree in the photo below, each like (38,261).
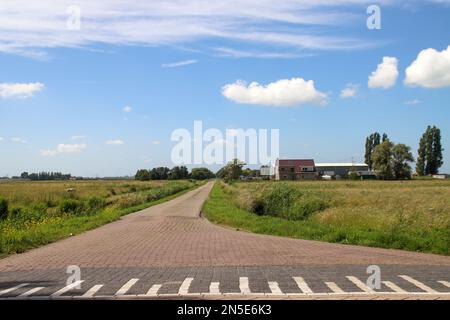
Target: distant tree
(401,157)
(430,152)
(177,173)
(233,170)
(202,174)
(391,161)
(142,175)
(24,175)
(160,173)
(372,142)
(385,137)
(422,154)
(382,156)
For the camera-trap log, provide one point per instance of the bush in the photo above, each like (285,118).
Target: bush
(3,209)
(72,206)
(96,203)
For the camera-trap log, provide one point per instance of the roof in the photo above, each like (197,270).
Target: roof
(296,162)
(341,164)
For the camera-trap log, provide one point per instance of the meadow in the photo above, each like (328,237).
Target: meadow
(36,213)
(409,215)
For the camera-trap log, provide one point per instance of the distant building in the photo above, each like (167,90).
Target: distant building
(341,169)
(295,169)
(266,172)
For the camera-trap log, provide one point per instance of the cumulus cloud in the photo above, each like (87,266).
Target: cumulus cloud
(20,90)
(431,69)
(386,74)
(178,64)
(127,109)
(115,142)
(351,90)
(63,149)
(282,93)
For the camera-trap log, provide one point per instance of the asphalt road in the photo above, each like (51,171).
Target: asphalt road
(169,250)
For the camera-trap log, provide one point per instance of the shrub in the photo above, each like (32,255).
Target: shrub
(3,209)
(72,206)
(279,200)
(96,203)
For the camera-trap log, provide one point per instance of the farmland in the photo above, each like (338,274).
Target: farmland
(36,213)
(409,215)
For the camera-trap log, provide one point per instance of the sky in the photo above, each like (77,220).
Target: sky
(97,88)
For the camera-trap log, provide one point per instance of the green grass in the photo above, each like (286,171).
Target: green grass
(18,235)
(412,215)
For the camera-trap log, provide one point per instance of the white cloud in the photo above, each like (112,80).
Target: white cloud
(78,137)
(114,142)
(386,74)
(63,149)
(18,140)
(20,90)
(127,109)
(156,142)
(234,53)
(412,102)
(178,64)
(1,138)
(350,91)
(282,93)
(431,69)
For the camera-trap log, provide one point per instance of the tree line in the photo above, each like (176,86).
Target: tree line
(44,176)
(392,161)
(176,173)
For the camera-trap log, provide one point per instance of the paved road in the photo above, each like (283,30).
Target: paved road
(169,249)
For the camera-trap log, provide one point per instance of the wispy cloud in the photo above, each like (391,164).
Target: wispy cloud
(78,137)
(18,140)
(412,102)
(115,142)
(234,53)
(178,64)
(156,142)
(350,91)
(20,90)
(63,149)
(127,109)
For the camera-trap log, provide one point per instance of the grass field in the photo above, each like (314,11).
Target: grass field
(41,212)
(409,215)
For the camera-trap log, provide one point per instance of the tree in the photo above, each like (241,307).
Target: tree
(382,156)
(201,174)
(142,175)
(372,142)
(430,152)
(232,171)
(401,157)
(160,173)
(178,173)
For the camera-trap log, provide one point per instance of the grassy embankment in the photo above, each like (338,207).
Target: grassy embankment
(42,212)
(409,215)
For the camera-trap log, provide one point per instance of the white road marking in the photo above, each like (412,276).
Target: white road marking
(393,286)
(302,285)
(184,288)
(153,291)
(67,288)
(92,291)
(274,287)
(445,283)
(334,287)
(31,291)
(243,285)
(214,288)
(13,288)
(360,284)
(418,284)
(122,291)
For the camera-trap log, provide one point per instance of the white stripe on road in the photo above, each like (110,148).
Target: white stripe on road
(184,288)
(243,285)
(274,287)
(153,291)
(31,291)
(334,287)
(122,291)
(360,284)
(90,293)
(13,288)
(445,283)
(393,286)
(418,284)
(67,288)
(302,285)
(214,288)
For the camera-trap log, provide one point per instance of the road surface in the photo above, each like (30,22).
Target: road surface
(169,250)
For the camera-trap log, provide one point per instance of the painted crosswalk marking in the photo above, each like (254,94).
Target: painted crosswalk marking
(184,288)
(67,288)
(302,285)
(418,284)
(214,288)
(13,288)
(243,285)
(274,287)
(127,286)
(445,283)
(393,286)
(153,291)
(30,292)
(364,287)
(92,291)
(334,287)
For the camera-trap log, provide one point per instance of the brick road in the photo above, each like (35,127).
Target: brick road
(173,250)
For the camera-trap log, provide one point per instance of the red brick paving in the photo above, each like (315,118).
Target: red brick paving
(173,234)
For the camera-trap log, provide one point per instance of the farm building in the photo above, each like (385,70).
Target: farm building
(295,169)
(340,169)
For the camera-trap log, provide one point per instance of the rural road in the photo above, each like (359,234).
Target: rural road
(169,250)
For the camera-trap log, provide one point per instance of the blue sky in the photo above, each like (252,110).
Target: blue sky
(64,93)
